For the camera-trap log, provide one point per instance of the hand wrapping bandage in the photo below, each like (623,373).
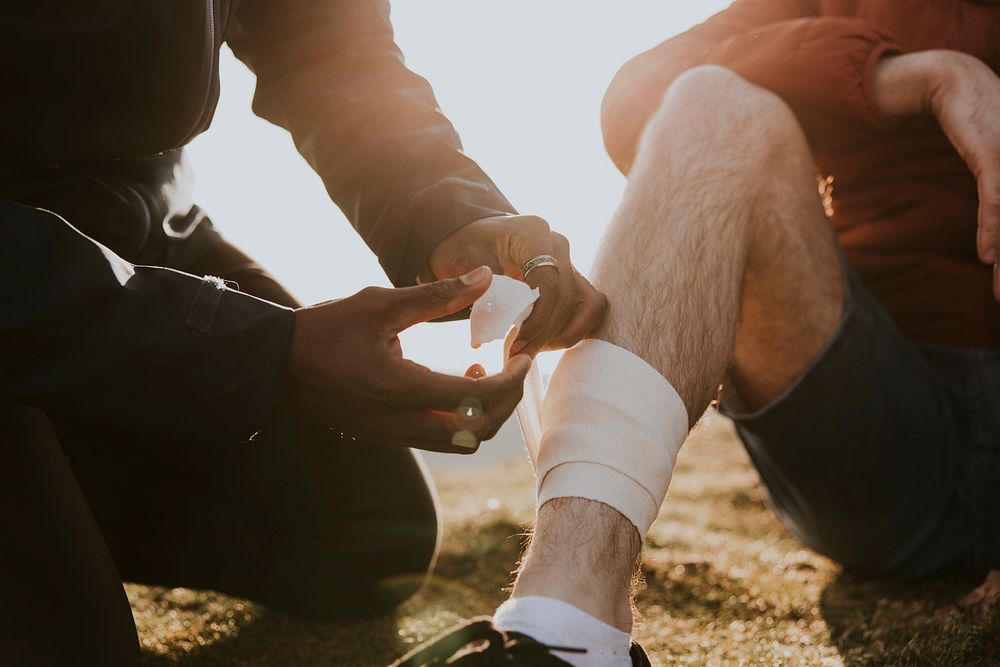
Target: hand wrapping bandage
(608,428)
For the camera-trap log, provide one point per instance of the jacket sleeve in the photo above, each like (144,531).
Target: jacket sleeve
(85,333)
(330,73)
(821,66)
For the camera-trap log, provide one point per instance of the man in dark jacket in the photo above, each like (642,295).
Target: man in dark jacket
(129,394)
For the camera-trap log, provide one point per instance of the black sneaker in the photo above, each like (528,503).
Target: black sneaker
(476,643)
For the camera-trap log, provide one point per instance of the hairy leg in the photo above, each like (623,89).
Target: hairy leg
(719,263)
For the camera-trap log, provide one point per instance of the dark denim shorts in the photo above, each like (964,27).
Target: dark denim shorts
(885,454)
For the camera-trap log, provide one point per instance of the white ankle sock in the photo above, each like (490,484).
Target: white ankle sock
(557,623)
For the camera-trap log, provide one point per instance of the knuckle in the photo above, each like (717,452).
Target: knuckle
(371,292)
(560,240)
(373,300)
(535,223)
(441,289)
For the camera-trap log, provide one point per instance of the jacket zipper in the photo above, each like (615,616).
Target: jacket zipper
(209,73)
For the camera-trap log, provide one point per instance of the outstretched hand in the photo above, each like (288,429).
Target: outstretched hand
(568,306)
(346,370)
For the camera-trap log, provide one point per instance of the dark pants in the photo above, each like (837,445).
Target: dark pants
(885,453)
(297,519)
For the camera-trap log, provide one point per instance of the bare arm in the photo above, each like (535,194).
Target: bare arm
(963,94)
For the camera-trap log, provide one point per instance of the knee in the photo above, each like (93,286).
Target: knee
(367,566)
(394,564)
(714,109)
(403,554)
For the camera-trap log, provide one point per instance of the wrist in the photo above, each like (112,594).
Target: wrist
(911,84)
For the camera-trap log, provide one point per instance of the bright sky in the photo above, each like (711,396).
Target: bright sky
(522,80)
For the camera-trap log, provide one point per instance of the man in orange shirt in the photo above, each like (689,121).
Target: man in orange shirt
(857,335)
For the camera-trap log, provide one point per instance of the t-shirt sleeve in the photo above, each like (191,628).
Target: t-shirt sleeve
(821,66)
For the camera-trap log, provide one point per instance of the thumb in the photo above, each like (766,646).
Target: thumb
(430,301)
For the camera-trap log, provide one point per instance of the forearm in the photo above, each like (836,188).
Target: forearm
(913,84)
(333,76)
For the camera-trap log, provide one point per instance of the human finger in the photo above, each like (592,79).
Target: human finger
(987,235)
(407,306)
(421,388)
(988,231)
(591,308)
(550,317)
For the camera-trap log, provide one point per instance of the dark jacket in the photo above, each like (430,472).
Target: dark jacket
(115,79)
(85,334)
(92,84)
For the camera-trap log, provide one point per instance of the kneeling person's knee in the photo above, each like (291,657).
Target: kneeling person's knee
(386,564)
(365,565)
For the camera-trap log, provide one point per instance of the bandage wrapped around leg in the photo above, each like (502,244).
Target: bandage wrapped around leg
(610,429)
(609,426)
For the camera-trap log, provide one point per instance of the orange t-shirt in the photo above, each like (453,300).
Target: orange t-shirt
(905,204)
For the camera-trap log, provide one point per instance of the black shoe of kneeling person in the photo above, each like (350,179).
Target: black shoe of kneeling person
(476,643)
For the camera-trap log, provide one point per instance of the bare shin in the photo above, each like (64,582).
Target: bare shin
(719,264)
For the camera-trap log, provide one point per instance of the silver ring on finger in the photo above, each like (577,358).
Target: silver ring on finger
(541,260)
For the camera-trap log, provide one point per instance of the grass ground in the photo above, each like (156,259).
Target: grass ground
(724,584)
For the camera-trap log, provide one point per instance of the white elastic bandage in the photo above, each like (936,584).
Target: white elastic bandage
(611,427)
(608,429)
